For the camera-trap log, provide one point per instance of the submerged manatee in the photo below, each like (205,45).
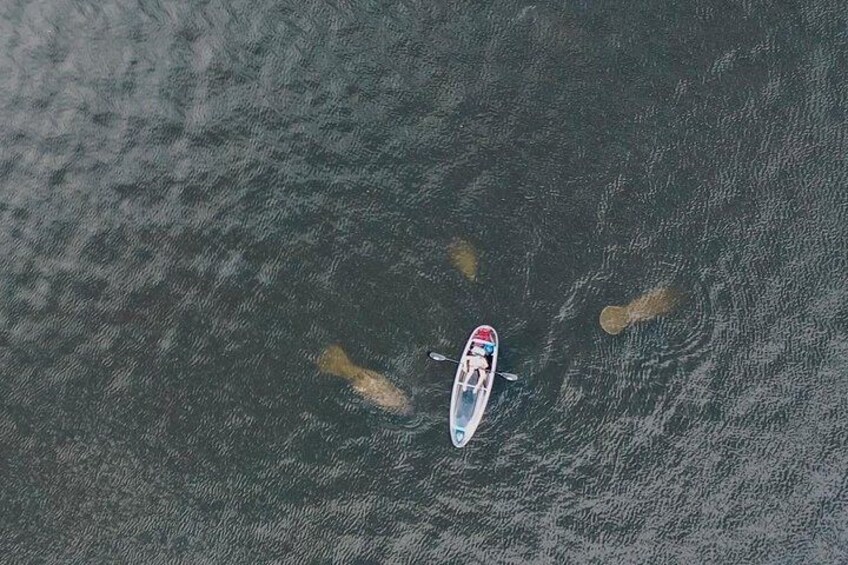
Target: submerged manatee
(376,388)
(464,258)
(655,303)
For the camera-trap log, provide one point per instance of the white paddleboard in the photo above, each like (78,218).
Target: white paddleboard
(470,395)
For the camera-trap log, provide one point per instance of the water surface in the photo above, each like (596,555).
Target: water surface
(197,198)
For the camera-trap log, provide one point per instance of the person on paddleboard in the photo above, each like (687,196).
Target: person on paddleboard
(478,362)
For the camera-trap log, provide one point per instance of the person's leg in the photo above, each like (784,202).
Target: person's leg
(468,372)
(481,379)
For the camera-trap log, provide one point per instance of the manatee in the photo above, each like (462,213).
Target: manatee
(464,258)
(657,302)
(373,386)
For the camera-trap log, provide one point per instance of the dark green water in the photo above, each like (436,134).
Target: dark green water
(197,197)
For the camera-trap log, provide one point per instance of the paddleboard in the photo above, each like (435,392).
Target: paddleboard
(471,389)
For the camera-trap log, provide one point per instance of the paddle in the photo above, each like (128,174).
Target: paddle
(439,357)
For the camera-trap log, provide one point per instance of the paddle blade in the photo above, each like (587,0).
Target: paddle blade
(509,376)
(436,356)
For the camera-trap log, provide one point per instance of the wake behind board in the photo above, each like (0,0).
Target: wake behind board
(471,389)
